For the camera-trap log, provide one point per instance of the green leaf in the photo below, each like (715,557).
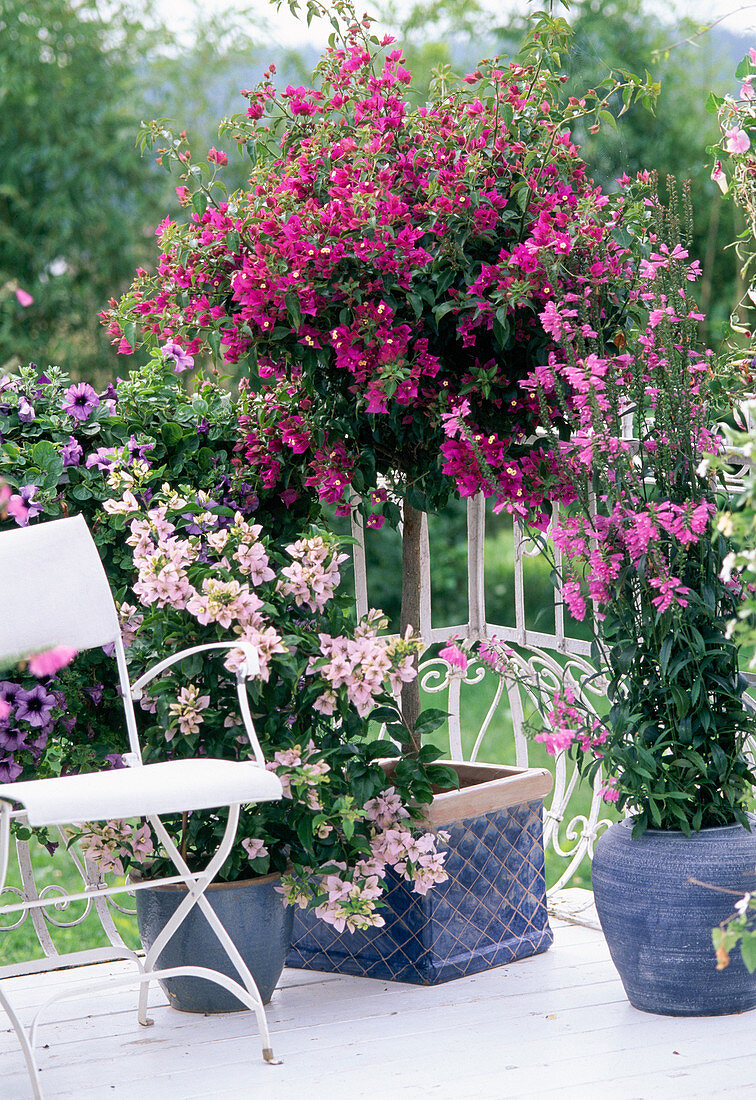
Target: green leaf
(199,203)
(214,339)
(293,309)
(664,654)
(748,951)
(417,304)
(439,312)
(501,328)
(171,433)
(430,720)
(416,499)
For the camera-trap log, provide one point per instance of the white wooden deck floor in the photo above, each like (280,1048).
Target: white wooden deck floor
(553,1026)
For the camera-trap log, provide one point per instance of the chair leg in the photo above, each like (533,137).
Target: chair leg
(26,1047)
(144,988)
(196,887)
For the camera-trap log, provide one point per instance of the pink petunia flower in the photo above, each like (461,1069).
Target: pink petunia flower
(51,661)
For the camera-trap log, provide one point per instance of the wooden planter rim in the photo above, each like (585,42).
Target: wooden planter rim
(484,788)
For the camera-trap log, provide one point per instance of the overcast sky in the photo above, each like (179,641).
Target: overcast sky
(285,29)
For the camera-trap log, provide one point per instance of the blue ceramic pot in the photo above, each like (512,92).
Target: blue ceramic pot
(255,918)
(658,923)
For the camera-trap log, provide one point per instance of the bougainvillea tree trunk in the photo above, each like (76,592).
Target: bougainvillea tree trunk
(410,616)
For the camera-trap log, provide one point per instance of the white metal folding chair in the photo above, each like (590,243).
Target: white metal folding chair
(54,591)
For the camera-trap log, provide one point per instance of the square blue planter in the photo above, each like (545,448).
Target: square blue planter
(490,911)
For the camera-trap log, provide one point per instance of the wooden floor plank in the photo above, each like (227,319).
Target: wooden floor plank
(557,1025)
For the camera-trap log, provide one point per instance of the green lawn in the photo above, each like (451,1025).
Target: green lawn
(55,874)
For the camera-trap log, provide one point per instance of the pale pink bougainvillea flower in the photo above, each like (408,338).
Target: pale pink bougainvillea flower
(24,297)
(737,141)
(254,847)
(51,661)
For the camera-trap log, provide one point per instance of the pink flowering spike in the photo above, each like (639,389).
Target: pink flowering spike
(455,656)
(51,661)
(24,297)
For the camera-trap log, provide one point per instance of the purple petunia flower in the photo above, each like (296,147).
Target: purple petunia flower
(204,426)
(95,694)
(80,400)
(181,360)
(12,739)
(71,452)
(22,505)
(139,450)
(103,458)
(34,706)
(9,770)
(10,691)
(25,411)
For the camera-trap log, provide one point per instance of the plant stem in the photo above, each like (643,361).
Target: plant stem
(411,612)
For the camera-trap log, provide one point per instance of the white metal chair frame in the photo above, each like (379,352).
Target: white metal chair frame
(55,592)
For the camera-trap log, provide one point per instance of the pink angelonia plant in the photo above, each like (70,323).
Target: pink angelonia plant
(633,451)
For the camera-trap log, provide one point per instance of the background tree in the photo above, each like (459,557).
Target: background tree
(673,140)
(75,199)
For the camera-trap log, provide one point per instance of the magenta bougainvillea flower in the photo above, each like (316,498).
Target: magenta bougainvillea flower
(390,264)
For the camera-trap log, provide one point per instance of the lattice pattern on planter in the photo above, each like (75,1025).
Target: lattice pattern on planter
(490,911)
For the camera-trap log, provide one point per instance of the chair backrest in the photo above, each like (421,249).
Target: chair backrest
(53,590)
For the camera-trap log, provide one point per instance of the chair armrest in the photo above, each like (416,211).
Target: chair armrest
(246,671)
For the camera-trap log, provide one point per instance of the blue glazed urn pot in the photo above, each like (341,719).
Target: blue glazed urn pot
(658,922)
(253,914)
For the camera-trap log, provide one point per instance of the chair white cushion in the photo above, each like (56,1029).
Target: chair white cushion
(169,787)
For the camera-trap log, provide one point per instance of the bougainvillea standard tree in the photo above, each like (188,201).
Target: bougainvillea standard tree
(387,264)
